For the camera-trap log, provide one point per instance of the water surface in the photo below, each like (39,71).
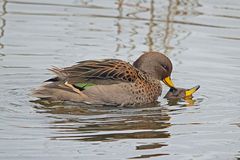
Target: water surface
(200,37)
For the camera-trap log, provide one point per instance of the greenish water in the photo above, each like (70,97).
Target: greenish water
(201,38)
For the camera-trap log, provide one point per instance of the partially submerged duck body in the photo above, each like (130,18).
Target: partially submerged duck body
(178,93)
(109,81)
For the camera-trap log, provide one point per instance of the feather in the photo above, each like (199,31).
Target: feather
(107,71)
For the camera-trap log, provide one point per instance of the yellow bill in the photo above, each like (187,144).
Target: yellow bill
(168,82)
(189,92)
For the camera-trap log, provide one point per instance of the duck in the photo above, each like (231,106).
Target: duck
(109,81)
(181,93)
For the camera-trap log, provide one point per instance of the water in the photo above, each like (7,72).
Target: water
(201,38)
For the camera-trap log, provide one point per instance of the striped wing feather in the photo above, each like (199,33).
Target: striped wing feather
(108,71)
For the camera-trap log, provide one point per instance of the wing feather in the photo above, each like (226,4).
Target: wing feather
(97,72)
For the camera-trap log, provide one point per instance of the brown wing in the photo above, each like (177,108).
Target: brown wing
(106,71)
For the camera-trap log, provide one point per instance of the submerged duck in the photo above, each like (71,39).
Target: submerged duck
(109,81)
(178,93)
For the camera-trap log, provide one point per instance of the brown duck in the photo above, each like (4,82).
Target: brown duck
(109,81)
(178,93)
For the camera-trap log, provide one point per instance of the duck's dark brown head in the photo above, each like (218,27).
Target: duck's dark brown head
(157,65)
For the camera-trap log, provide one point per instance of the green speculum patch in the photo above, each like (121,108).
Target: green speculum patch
(83,86)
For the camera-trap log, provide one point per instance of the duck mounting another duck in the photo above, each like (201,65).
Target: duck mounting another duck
(109,81)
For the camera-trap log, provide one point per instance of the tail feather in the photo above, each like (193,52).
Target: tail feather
(54,79)
(61,74)
(56,92)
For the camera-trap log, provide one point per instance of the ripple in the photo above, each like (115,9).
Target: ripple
(200,37)
(149,156)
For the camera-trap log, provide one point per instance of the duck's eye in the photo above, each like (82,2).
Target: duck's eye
(165,67)
(171,90)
